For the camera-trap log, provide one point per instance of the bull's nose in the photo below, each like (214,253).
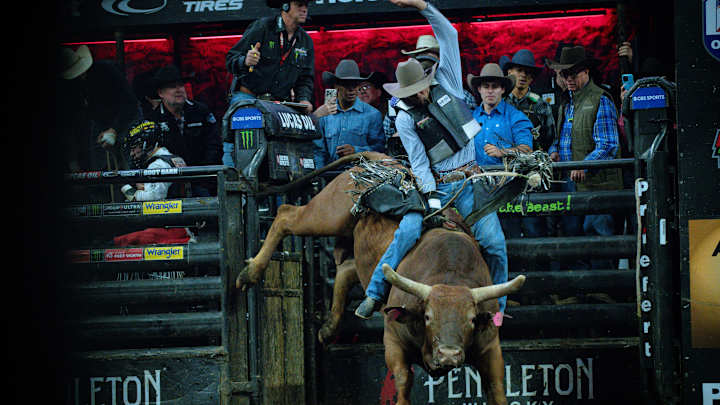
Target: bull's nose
(450,356)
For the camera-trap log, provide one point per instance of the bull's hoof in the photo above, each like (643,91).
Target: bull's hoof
(247,276)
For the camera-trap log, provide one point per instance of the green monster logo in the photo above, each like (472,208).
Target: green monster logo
(247,139)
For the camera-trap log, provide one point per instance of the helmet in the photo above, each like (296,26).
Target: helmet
(146,134)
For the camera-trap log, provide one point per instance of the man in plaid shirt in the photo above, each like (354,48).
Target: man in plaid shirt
(587,125)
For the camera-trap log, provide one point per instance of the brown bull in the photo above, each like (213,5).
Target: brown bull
(438,317)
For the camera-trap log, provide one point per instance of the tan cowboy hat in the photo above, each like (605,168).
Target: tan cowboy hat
(571,57)
(347,69)
(75,63)
(425,43)
(491,72)
(411,79)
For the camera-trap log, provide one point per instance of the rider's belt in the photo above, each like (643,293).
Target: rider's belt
(264,96)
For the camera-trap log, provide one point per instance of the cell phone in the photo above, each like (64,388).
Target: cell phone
(330,94)
(627,81)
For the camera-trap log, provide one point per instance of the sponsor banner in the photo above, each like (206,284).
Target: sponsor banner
(162,207)
(164,253)
(247,139)
(296,121)
(122,209)
(704,235)
(246,118)
(645,98)
(711,29)
(123,255)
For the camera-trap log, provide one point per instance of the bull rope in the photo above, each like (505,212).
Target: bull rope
(537,165)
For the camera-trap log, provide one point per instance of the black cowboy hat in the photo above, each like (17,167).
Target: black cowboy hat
(168,74)
(523,58)
(347,70)
(572,57)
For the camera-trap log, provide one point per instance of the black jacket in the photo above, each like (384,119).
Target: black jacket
(273,74)
(198,141)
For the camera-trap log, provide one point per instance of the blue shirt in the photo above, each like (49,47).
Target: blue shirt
(505,127)
(359,126)
(605,133)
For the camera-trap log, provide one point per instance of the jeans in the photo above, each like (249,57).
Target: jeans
(229,147)
(601,225)
(487,232)
(528,227)
(405,237)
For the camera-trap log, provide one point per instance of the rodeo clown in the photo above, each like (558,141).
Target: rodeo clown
(145,147)
(436,129)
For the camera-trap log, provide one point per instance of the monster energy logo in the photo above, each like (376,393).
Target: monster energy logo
(247,139)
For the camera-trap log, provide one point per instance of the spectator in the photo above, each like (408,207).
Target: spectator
(274,60)
(148,99)
(96,109)
(522,67)
(440,175)
(192,128)
(355,126)
(145,144)
(587,133)
(275,56)
(371,92)
(504,127)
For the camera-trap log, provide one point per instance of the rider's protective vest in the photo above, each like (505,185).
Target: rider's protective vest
(444,126)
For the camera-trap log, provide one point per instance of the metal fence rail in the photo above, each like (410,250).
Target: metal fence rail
(146,327)
(134,292)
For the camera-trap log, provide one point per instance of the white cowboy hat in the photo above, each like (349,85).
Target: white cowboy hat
(425,43)
(411,79)
(75,63)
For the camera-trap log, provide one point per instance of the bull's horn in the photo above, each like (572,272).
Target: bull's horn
(419,290)
(481,294)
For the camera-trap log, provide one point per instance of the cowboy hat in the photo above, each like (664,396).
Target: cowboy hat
(347,69)
(411,79)
(571,57)
(523,58)
(425,43)
(75,63)
(168,74)
(491,72)
(279,3)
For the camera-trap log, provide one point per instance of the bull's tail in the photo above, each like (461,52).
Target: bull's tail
(343,161)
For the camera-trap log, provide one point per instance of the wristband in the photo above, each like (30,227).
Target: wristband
(108,137)
(129,192)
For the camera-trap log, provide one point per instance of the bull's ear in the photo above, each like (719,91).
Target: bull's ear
(399,314)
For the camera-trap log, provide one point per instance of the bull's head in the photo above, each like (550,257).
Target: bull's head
(450,315)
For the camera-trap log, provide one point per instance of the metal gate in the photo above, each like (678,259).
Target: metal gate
(160,322)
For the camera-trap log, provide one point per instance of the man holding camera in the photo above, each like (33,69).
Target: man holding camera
(350,125)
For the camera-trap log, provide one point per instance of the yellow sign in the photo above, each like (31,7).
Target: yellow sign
(705,282)
(164,253)
(162,207)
